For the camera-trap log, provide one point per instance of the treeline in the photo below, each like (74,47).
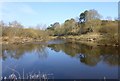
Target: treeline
(16,33)
(88,22)
(15,29)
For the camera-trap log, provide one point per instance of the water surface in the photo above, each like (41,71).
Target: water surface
(63,59)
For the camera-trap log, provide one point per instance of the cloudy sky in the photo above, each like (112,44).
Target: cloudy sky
(33,13)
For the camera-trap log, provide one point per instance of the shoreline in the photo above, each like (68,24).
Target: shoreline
(89,39)
(22,40)
(92,40)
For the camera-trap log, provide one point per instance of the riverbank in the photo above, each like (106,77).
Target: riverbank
(22,40)
(92,39)
(89,39)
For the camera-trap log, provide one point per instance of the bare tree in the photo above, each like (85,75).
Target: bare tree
(93,21)
(109,18)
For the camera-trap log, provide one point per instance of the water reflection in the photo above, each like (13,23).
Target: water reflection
(63,59)
(89,55)
(17,51)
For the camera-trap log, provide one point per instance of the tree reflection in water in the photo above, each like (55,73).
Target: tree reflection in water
(17,51)
(89,55)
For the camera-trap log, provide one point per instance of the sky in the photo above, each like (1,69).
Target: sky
(33,13)
(59,0)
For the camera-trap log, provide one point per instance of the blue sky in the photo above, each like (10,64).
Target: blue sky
(33,13)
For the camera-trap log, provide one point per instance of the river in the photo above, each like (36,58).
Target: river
(62,59)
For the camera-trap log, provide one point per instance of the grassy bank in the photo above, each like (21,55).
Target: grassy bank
(92,39)
(23,40)
(95,39)
(18,40)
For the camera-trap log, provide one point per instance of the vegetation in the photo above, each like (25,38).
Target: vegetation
(15,32)
(89,27)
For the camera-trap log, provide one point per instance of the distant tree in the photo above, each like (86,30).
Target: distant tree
(110,32)
(69,26)
(81,23)
(15,24)
(15,28)
(109,18)
(2,24)
(38,26)
(116,18)
(92,21)
(56,24)
(53,28)
(88,20)
(77,19)
(82,17)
